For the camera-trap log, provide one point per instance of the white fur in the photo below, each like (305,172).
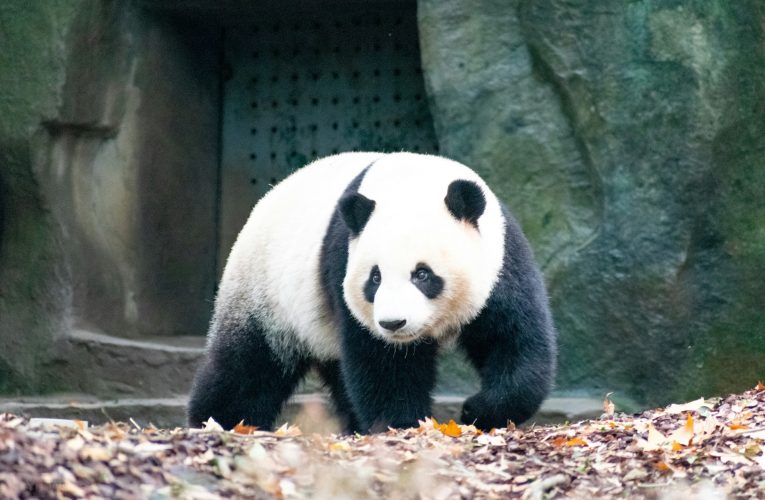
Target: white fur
(273,269)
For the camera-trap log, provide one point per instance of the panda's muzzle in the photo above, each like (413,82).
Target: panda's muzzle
(392,325)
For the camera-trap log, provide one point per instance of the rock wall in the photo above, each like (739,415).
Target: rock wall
(34,295)
(629,139)
(108,179)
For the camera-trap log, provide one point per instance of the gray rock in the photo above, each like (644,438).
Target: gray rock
(629,139)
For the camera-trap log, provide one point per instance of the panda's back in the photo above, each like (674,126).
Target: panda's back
(272,272)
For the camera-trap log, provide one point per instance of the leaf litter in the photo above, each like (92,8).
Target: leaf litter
(705,448)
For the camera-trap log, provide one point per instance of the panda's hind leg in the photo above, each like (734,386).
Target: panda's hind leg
(332,377)
(242,378)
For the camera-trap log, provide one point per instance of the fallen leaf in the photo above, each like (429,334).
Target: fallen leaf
(212,425)
(663,467)
(340,446)
(577,441)
(684,434)
(450,429)
(288,430)
(559,441)
(242,428)
(608,405)
(635,474)
(95,453)
(760,386)
(691,406)
(655,438)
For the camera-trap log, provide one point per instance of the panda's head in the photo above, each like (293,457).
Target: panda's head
(419,264)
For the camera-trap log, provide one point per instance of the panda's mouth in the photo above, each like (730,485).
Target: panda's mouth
(402,337)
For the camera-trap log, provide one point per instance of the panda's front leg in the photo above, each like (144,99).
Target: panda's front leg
(389,385)
(516,360)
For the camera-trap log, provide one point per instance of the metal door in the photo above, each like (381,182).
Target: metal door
(307,84)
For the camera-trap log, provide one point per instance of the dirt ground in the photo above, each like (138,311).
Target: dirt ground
(702,449)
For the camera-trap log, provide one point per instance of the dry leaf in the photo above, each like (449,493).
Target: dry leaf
(760,386)
(691,406)
(577,441)
(663,467)
(340,446)
(684,434)
(655,438)
(608,405)
(450,429)
(559,441)
(212,425)
(242,428)
(288,430)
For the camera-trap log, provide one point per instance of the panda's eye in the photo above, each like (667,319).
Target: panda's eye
(421,274)
(376,277)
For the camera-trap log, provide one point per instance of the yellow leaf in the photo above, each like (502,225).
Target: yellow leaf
(735,426)
(451,429)
(577,441)
(676,446)
(663,467)
(340,446)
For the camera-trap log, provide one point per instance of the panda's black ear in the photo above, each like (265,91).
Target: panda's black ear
(355,209)
(465,201)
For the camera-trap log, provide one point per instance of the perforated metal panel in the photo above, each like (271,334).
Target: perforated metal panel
(313,84)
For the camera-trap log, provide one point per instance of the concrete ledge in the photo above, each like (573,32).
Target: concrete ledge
(171,412)
(108,367)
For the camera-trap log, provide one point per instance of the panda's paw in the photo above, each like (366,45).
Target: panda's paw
(484,412)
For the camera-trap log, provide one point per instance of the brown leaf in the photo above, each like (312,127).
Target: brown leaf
(241,428)
(608,405)
(577,441)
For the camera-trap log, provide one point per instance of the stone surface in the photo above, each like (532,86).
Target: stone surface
(34,294)
(112,367)
(171,412)
(108,178)
(629,140)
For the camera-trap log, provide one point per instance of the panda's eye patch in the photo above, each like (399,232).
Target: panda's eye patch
(429,283)
(372,284)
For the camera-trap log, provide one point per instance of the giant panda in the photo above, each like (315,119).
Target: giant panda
(365,266)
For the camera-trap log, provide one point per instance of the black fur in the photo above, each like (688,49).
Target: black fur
(332,376)
(432,285)
(376,384)
(356,210)
(465,201)
(512,342)
(241,378)
(370,287)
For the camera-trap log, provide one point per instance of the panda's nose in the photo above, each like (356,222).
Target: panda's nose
(393,324)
